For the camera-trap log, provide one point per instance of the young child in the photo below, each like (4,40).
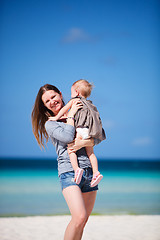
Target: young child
(88,124)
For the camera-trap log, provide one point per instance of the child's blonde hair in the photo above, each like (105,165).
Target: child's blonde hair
(84,87)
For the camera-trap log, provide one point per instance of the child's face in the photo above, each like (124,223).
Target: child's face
(74,93)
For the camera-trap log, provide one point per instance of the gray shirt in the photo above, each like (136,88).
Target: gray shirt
(61,134)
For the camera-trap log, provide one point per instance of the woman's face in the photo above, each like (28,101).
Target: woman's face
(53,101)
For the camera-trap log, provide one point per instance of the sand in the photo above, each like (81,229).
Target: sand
(124,227)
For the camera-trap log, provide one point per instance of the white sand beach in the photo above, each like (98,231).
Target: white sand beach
(125,227)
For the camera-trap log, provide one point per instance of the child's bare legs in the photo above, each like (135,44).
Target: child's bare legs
(96,174)
(73,159)
(78,171)
(73,156)
(92,158)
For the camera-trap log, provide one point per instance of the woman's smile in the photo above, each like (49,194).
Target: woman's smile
(52,100)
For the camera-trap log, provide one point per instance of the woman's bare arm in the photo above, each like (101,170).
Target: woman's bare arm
(80,143)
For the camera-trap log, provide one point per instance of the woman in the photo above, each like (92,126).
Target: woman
(80,198)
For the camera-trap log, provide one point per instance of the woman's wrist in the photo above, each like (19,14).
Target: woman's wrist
(71,114)
(71,117)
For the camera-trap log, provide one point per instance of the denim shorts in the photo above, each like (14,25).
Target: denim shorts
(67,179)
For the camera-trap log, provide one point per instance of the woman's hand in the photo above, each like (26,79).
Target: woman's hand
(79,143)
(77,104)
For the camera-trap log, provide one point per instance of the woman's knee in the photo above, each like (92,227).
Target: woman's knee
(80,220)
(86,219)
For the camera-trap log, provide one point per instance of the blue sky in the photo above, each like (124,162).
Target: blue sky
(114,44)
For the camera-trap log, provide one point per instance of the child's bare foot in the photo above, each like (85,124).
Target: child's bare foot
(78,175)
(97,177)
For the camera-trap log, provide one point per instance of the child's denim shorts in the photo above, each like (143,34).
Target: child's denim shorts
(67,179)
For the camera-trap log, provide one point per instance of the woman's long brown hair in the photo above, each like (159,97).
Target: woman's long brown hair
(40,115)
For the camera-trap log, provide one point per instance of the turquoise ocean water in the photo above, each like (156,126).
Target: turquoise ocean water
(31,187)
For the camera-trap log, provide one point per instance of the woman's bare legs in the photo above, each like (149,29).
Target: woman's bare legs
(89,200)
(74,199)
(80,206)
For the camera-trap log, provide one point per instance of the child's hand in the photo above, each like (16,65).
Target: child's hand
(52,119)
